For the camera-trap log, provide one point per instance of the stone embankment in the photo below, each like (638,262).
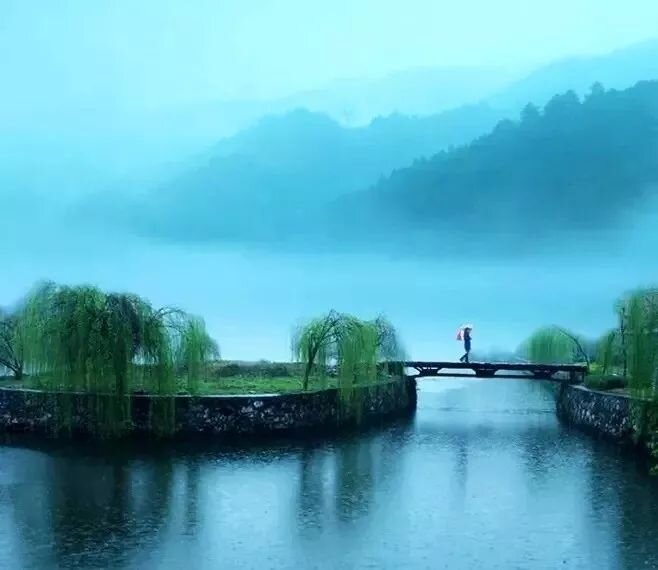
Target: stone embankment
(42,412)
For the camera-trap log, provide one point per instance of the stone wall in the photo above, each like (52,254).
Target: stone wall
(37,411)
(604,414)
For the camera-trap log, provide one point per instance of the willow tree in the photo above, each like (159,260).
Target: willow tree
(610,352)
(11,344)
(552,345)
(192,347)
(641,340)
(83,339)
(389,345)
(355,346)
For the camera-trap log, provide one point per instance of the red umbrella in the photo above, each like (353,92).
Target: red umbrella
(460,331)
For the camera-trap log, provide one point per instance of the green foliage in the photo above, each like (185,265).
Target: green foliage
(353,345)
(641,334)
(578,165)
(81,339)
(603,383)
(314,343)
(356,355)
(191,345)
(609,354)
(11,344)
(261,369)
(553,345)
(626,358)
(249,382)
(389,345)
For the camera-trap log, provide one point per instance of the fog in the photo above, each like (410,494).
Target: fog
(159,53)
(252,299)
(105,100)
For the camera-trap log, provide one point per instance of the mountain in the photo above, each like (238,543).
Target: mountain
(302,176)
(619,69)
(272,180)
(418,91)
(576,167)
(350,102)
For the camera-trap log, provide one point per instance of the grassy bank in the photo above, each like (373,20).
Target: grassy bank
(234,385)
(222,378)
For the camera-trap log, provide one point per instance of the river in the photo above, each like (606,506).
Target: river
(483,476)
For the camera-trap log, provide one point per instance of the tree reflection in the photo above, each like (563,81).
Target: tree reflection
(354,478)
(350,467)
(461,443)
(192,480)
(96,508)
(637,515)
(311,504)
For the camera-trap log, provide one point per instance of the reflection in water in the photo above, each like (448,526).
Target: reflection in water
(192,479)
(483,476)
(91,510)
(311,502)
(354,479)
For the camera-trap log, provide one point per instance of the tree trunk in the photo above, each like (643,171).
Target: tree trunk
(309,366)
(307,373)
(622,330)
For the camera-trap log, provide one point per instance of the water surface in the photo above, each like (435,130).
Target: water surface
(483,477)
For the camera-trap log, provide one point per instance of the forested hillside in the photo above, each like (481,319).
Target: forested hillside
(574,165)
(577,165)
(271,179)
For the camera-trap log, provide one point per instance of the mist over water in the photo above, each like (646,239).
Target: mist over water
(252,298)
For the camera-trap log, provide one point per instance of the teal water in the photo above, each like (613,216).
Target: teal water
(482,477)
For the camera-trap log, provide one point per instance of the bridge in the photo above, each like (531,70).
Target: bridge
(567,373)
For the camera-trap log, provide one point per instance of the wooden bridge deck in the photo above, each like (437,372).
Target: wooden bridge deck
(571,373)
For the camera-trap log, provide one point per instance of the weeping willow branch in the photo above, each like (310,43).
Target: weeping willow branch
(581,353)
(353,345)
(11,344)
(553,345)
(641,340)
(313,344)
(83,339)
(609,352)
(389,345)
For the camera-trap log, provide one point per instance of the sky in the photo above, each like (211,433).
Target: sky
(152,54)
(68,59)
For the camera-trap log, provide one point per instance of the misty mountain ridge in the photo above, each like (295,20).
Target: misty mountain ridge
(282,171)
(98,147)
(272,180)
(419,91)
(576,168)
(618,69)
(425,91)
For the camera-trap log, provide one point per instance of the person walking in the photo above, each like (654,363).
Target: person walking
(466,337)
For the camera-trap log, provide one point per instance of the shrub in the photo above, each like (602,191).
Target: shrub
(604,383)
